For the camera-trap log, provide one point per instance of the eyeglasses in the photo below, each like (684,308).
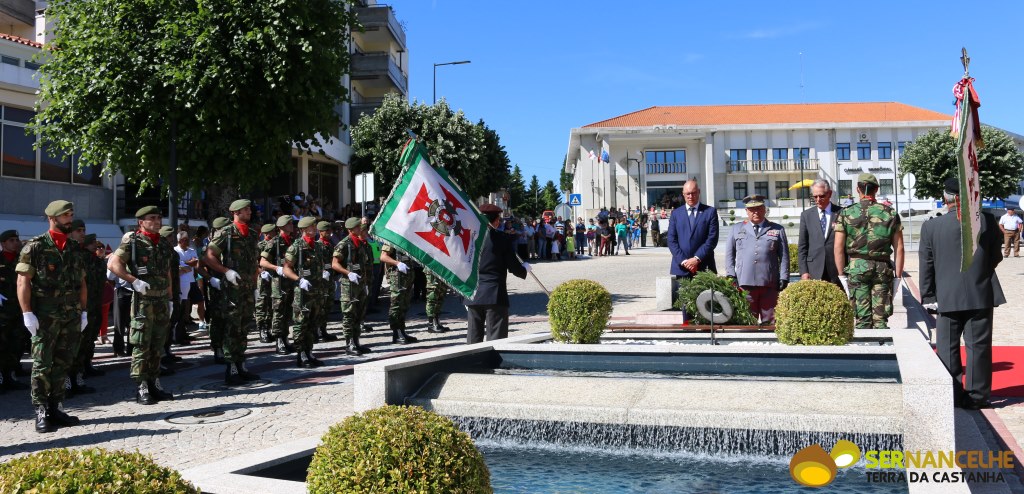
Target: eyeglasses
(820,196)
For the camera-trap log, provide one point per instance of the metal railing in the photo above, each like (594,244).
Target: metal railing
(791,165)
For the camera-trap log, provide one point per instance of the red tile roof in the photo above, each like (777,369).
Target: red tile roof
(771,114)
(19,39)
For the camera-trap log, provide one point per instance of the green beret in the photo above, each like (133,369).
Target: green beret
(77,223)
(220,222)
(323,226)
(307,222)
(867,178)
(9,234)
(283,220)
(239,205)
(142,212)
(352,223)
(57,208)
(90,238)
(269,227)
(166,230)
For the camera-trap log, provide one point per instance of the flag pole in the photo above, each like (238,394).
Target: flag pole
(535,278)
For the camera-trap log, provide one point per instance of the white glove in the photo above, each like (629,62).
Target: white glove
(31,323)
(140,286)
(354,277)
(327,275)
(896,291)
(932,306)
(2,300)
(402,268)
(265,275)
(85,321)
(305,284)
(280,270)
(170,308)
(846,285)
(527,267)
(111,276)
(215,283)
(232,277)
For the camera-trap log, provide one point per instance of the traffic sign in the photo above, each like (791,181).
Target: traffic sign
(575,199)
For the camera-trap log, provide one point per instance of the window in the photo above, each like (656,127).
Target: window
(781,189)
(800,156)
(10,60)
(739,190)
(885,186)
(89,174)
(761,188)
(885,150)
(864,151)
(31,65)
(666,161)
(19,159)
(780,154)
(758,157)
(846,187)
(843,151)
(736,159)
(54,167)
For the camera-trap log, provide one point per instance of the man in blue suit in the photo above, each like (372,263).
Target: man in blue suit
(692,234)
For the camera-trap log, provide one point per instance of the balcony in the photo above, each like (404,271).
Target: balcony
(768,166)
(362,108)
(380,27)
(376,74)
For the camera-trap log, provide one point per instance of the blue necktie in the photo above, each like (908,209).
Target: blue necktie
(693,217)
(823,222)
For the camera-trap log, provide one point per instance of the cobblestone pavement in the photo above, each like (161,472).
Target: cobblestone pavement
(298,403)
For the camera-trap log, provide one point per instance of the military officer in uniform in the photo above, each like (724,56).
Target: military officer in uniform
(353,259)
(12,327)
(757,259)
(436,290)
(272,261)
(216,306)
(323,229)
(74,383)
(401,277)
(95,279)
(869,233)
(236,245)
(52,296)
(264,287)
(304,265)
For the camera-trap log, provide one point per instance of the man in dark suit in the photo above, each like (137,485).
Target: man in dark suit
(488,309)
(692,234)
(816,247)
(963,300)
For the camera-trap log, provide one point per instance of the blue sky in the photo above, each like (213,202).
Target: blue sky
(541,68)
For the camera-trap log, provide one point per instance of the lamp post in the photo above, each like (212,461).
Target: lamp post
(436,65)
(629,180)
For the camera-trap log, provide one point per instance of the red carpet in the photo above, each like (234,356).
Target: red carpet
(1007,370)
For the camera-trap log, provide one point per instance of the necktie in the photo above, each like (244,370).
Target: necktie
(823,222)
(757,230)
(693,216)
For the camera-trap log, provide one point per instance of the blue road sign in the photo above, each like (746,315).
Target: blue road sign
(575,200)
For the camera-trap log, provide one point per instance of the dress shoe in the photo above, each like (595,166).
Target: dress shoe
(143,396)
(42,421)
(972,404)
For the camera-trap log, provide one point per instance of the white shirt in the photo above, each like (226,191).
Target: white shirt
(1010,223)
(186,278)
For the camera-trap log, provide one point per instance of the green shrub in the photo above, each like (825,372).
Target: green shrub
(813,312)
(785,216)
(89,470)
(790,224)
(397,449)
(690,288)
(579,311)
(794,261)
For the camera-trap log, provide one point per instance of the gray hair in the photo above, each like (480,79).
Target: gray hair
(182,235)
(822,183)
(949,198)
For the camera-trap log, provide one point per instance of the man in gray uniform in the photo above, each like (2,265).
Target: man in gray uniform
(757,259)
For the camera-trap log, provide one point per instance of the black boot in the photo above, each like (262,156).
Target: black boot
(362,348)
(78,385)
(398,334)
(299,362)
(323,335)
(55,412)
(231,377)
(264,334)
(312,361)
(42,420)
(440,327)
(143,396)
(283,347)
(218,355)
(245,374)
(69,390)
(352,348)
(157,391)
(367,328)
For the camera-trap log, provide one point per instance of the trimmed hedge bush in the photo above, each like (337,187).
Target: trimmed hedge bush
(579,311)
(813,312)
(90,470)
(690,288)
(794,261)
(397,449)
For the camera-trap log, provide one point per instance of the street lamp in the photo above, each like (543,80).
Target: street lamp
(436,65)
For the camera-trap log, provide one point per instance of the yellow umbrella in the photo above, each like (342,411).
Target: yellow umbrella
(803,183)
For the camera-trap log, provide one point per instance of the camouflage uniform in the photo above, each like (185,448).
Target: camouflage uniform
(308,262)
(870,228)
(56,301)
(215,312)
(326,293)
(156,264)
(401,285)
(95,278)
(436,290)
(359,260)
(282,289)
(12,326)
(264,297)
(237,303)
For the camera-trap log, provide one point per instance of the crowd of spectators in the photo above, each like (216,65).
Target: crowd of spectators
(608,233)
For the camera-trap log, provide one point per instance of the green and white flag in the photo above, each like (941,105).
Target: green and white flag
(430,218)
(966,131)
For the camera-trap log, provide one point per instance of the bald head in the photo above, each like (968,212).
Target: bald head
(691,192)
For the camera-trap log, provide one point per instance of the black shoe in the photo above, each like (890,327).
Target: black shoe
(78,385)
(432,326)
(299,362)
(55,412)
(42,421)
(143,396)
(398,335)
(362,348)
(231,377)
(245,374)
(972,404)
(367,328)
(157,391)
(352,348)
(218,355)
(312,361)
(283,348)
(325,336)
(264,335)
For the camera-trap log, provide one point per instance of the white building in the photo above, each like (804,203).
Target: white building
(733,151)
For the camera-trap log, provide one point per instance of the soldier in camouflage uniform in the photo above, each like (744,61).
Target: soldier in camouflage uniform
(52,296)
(149,263)
(304,264)
(74,383)
(400,278)
(236,243)
(215,292)
(282,289)
(327,286)
(264,287)
(12,328)
(436,290)
(868,233)
(95,278)
(353,259)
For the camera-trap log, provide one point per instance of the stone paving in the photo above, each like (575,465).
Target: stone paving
(296,403)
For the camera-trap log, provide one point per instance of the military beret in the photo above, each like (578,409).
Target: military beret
(867,178)
(220,222)
(269,227)
(283,220)
(754,201)
(90,238)
(352,223)
(142,212)
(323,226)
(57,208)
(166,230)
(489,208)
(77,223)
(9,234)
(307,222)
(952,185)
(239,204)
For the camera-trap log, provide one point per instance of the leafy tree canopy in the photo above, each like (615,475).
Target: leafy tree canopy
(549,196)
(932,159)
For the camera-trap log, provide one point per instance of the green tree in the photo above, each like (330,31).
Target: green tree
(532,202)
(550,198)
(492,173)
(565,178)
(932,159)
(235,79)
(517,190)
